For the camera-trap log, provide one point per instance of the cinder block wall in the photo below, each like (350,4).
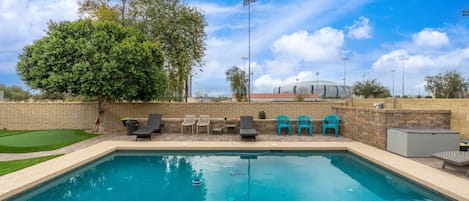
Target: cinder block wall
(36,116)
(369,125)
(263,126)
(114,112)
(459,109)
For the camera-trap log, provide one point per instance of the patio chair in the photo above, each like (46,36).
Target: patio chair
(204,121)
(153,126)
(305,122)
(283,121)
(455,159)
(246,127)
(189,120)
(331,121)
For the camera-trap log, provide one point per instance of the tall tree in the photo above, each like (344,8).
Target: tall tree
(96,59)
(370,89)
(238,82)
(448,85)
(179,28)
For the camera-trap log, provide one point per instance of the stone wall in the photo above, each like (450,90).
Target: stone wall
(369,125)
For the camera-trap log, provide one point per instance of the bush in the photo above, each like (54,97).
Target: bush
(261,115)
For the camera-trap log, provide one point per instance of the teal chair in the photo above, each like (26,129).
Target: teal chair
(283,121)
(305,122)
(331,121)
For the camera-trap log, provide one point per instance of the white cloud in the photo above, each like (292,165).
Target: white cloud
(323,44)
(417,66)
(266,83)
(430,38)
(24,21)
(360,29)
(279,67)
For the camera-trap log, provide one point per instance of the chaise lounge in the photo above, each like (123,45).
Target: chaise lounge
(153,126)
(246,127)
(455,159)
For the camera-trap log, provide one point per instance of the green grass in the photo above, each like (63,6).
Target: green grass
(11,166)
(33,141)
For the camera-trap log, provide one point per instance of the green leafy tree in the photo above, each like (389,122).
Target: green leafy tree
(14,93)
(95,59)
(181,31)
(448,85)
(179,28)
(99,10)
(238,82)
(370,89)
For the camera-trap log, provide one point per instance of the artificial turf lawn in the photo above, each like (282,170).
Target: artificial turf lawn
(11,166)
(33,141)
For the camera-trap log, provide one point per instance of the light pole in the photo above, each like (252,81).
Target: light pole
(403,59)
(393,71)
(317,81)
(248,4)
(297,87)
(252,75)
(345,59)
(244,59)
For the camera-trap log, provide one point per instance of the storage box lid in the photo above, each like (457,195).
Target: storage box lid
(426,131)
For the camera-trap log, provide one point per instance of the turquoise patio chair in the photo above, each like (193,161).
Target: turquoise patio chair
(331,121)
(283,121)
(305,122)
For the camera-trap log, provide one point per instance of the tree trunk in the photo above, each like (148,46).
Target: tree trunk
(101,102)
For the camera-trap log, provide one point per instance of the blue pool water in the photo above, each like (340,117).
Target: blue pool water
(227,176)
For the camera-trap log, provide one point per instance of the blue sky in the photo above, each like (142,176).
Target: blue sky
(293,40)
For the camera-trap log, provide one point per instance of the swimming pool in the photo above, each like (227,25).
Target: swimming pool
(270,176)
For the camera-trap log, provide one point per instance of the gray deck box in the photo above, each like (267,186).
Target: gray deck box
(416,142)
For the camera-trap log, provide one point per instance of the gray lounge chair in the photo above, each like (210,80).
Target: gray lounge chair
(455,159)
(246,127)
(153,126)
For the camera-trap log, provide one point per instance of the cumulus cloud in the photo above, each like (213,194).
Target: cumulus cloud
(430,38)
(320,45)
(397,58)
(360,29)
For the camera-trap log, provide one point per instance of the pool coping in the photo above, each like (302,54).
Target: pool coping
(438,180)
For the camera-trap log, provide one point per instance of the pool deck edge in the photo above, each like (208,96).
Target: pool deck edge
(445,183)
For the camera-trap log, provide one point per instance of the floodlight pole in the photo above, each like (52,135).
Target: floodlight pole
(317,83)
(403,59)
(248,4)
(345,59)
(393,71)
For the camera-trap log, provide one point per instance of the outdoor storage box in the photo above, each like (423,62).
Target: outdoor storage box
(416,142)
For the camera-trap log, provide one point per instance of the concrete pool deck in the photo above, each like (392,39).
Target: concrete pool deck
(446,183)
